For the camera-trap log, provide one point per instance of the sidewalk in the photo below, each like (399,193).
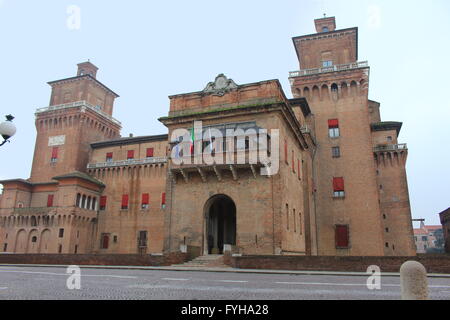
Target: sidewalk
(230,270)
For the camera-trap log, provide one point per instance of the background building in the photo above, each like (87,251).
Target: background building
(429,239)
(445,220)
(341,188)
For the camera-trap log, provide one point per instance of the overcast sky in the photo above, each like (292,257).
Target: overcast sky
(148,50)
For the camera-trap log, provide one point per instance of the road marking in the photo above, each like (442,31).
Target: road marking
(323,284)
(232,281)
(175,279)
(65,274)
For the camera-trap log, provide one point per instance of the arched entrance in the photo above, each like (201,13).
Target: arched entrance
(220,215)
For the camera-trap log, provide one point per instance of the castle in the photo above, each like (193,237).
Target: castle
(340,187)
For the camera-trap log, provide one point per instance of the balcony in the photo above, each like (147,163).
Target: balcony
(79,104)
(391,147)
(125,163)
(336,68)
(231,162)
(32,211)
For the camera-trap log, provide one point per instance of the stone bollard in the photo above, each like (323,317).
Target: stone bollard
(414,282)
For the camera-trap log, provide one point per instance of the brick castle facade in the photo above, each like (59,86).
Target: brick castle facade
(341,188)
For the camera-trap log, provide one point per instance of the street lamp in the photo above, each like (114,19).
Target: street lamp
(7,129)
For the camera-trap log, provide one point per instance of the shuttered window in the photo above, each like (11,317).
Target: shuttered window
(50,200)
(130,154)
(109,157)
(150,152)
(54,154)
(145,201)
(124,202)
(103,202)
(338,188)
(342,236)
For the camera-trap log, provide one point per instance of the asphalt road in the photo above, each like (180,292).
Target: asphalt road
(50,283)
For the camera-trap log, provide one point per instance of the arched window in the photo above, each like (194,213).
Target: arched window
(83,202)
(325,29)
(77,203)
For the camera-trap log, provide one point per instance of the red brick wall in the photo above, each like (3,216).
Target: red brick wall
(433,263)
(91,259)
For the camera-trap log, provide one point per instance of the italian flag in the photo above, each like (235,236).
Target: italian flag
(192,140)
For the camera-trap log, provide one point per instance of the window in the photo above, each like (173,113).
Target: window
(104,242)
(130,154)
(163,200)
(425,238)
(50,200)
(325,29)
(298,169)
(300,224)
(295,222)
(333,128)
(286,152)
(78,201)
(109,157)
(103,202)
(150,152)
(115,239)
(327,63)
(387,244)
(5,247)
(142,239)
(34,239)
(338,188)
(60,248)
(145,201)
(389,138)
(342,236)
(287,216)
(293,162)
(336,152)
(61,233)
(124,202)
(387,229)
(54,157)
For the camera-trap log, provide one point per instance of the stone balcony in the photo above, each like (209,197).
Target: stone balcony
(32,211)
(78,104)
(226,162)
(125,163)
(391,147)
(335,68)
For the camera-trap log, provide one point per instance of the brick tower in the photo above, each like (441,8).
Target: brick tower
(361,192)
(80,113)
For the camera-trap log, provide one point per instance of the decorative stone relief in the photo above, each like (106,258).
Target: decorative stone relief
(220,86)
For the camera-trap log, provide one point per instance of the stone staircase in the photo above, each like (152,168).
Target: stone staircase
(208,261)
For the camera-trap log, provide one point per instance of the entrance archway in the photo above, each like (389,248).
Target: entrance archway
(220,215)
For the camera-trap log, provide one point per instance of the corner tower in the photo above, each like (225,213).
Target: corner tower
(80,112)
(350,219)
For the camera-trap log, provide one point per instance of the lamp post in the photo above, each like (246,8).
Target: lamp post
(7,129)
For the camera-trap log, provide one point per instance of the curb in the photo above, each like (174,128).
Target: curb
(225,270)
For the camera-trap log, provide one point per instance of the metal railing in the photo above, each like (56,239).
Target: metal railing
(124,163)
(78,104)
(391,147)
(340,67)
